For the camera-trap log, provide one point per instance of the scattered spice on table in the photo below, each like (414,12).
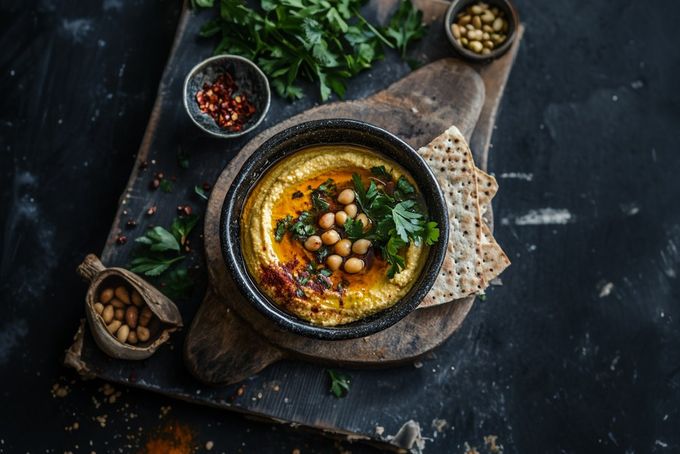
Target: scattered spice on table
(174,438)
(223,102)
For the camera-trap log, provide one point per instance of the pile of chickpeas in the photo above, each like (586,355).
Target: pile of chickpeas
(126,315)
(480,28)
(342,248)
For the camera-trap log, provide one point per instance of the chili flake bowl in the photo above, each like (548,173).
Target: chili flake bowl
(250,81)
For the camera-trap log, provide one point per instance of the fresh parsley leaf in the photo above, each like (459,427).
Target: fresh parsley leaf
(319,203)
(303,227)
(322,253)
(391,253)
(158,239)
(482,296)
(431,233)
(200,192)
(408,223)
(382,173)
(405,26)
(152,265)
(328,187)
(354,229)
(166,185)
(404,189)
(340,383)
(177,284)
(182,227)
(282,226)
(202,3)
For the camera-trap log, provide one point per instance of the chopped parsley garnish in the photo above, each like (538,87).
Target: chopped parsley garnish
(382,173)
(397,220)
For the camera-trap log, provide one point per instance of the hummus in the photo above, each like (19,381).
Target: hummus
(290,274)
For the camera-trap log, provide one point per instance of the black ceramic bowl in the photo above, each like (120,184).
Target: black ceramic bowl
(320,132)
(250,80)
(510,15)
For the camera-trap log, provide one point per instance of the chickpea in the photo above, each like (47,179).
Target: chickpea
(132,338)
(115,302)
(122,294)
(361,246)
(313,243)
(334,262)
(106,295)
(351,210)
(99,308)
(119,314)
(145,316)
(113,326)
(123,333)
(346,196)
(343,247)
(132,316)
(364,220)
(330,237)
(107,314)
(354,265)
(327,220)
(143,334)
(136,298)
(340,218)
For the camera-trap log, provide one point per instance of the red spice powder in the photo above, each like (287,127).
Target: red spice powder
(173,438)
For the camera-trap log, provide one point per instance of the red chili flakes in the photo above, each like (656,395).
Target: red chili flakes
(121,239)
(220,101)
(151,211)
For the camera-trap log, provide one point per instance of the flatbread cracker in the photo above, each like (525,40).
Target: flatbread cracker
(452,163)
(494,260)
(486,188)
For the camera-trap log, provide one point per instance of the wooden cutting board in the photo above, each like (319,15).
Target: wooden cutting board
(288,392)
(229,340)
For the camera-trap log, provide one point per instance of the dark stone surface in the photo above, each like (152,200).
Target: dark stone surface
(579,351)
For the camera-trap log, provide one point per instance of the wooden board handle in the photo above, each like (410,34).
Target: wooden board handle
(224,349)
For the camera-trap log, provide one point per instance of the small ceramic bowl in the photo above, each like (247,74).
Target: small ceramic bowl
(250,80)
(324,132)
(510,15)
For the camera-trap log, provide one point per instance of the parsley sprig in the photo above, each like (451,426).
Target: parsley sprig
(339,383)
(327,41)
(159,250)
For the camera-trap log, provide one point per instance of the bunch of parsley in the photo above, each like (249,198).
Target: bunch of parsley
(327,41)
(397,218)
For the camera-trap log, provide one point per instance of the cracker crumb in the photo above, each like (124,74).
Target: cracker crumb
(491,442)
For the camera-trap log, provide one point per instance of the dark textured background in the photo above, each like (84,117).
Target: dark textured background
(579,351)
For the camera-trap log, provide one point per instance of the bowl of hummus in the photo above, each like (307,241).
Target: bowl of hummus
(334,229)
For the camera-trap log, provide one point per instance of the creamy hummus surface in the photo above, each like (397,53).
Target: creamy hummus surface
(298,275)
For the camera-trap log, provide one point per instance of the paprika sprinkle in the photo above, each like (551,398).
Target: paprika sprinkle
(221,101)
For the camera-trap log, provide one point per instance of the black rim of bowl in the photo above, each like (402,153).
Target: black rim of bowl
(186,96)
(326,132)
(510,13)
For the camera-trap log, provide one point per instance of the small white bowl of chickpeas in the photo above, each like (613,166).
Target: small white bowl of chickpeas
(481,30)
